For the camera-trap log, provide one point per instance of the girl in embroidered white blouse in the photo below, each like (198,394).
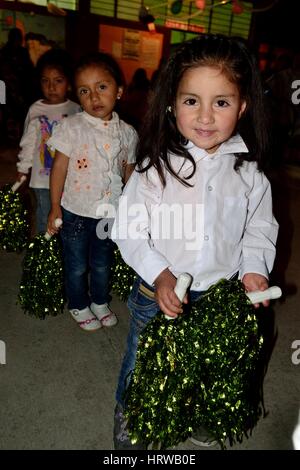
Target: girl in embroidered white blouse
(94,156)
(203,204)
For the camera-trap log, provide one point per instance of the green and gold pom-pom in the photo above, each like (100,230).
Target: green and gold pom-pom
(122,278)
(198,370)
(41,289)
(14,227)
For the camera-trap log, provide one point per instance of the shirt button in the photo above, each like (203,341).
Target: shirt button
(197,284)
(210,188)
(206,237)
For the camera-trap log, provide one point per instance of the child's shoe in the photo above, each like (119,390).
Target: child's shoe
(104,314)
(85,319)
(201,437)
(121,436)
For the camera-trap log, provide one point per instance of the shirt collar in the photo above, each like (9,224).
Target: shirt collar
(233,145)
(98,122)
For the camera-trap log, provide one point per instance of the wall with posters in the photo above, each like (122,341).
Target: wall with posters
(132,48)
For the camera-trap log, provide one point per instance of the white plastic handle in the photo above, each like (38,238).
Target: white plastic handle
(184,280)
(17,184)
(296,435)
(258,296)
(58,222)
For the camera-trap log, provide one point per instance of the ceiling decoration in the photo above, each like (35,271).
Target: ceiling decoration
(175,7)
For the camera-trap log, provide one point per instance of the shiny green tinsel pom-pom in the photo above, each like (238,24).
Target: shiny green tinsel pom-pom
(14,227)
(41,290)
(198,370)
(122,278)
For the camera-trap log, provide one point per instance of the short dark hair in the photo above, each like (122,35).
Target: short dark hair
(36,37)
(15,35)
(103,60)
(58,59)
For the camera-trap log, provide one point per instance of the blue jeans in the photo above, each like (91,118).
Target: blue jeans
(142,309)
(42,208)
(85,253)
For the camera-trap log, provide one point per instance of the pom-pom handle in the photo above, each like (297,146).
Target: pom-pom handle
(184,280)
(296,435)
(17,184)
(258,296)
(58,222)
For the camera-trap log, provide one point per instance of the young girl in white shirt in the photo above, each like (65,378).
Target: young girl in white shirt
(95,152)
(54,71)
(198,201)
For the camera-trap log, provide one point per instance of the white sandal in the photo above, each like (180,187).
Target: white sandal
(104,314)
(85,319)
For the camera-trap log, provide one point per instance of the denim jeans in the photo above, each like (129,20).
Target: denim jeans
(42,208)
(84,254)
(142,310)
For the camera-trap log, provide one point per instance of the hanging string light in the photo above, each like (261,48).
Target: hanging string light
(237,7)
(147,18)
(176,7)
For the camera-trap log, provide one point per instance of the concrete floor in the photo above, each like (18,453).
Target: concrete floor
(57,386)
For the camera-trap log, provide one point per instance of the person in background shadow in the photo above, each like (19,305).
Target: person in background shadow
(284,109)
(16,71)
(37,45)
(135,103)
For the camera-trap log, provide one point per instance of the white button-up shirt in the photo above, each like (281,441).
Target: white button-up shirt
(221,225)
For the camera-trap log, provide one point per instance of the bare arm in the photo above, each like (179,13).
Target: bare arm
(57,182)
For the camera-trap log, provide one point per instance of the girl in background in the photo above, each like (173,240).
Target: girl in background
(55,75)
(95,153)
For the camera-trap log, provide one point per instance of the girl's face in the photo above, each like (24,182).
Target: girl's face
(207,107)
(97,91)
(54,85)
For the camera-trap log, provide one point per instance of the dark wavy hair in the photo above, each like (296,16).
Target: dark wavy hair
(160,136)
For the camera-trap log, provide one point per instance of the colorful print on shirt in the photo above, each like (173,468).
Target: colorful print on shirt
(46,154)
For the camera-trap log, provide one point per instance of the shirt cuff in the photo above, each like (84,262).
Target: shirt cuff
(251,267)
(151,265)
(23,169)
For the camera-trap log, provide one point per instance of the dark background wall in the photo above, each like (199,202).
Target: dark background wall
(279,26)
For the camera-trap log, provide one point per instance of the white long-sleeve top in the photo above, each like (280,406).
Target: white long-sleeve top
(98,152)
(221,225)
(40,121)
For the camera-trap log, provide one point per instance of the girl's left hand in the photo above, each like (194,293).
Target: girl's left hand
(252,282)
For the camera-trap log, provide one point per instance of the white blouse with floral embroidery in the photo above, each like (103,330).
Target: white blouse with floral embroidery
(98,151)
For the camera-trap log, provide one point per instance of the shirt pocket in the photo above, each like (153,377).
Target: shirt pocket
(234,219)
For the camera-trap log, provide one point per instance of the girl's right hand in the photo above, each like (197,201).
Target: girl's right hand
(53,215)
(165,296)
(19,175)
